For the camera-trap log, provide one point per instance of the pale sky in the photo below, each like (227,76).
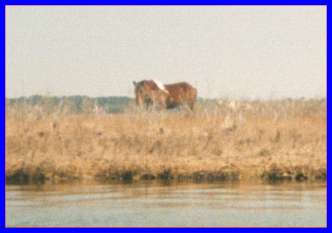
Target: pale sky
(224,51)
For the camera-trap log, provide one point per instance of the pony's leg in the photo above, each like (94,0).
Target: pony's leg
(189,106)
(192,106)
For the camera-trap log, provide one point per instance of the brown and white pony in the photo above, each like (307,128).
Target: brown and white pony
(152,93)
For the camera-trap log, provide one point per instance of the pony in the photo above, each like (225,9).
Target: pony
(152,93)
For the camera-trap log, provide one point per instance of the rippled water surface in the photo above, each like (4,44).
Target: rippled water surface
(167,205)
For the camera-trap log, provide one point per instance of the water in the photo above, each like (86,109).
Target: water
(167,205)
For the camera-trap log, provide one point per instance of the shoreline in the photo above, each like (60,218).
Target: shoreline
(93,181)
(10,180)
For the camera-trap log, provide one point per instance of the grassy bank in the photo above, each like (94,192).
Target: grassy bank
(223,140)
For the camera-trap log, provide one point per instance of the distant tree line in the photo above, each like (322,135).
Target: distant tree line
(119,104)
(72,104)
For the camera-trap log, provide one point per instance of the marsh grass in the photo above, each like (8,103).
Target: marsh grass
(222,140)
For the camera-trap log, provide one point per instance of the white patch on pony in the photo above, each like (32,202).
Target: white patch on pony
(160,85)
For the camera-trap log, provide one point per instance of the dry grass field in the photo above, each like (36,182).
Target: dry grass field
(223,140)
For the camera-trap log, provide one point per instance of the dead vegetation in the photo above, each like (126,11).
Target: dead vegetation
(221,140)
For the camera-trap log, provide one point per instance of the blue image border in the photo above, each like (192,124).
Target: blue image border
(4,3)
